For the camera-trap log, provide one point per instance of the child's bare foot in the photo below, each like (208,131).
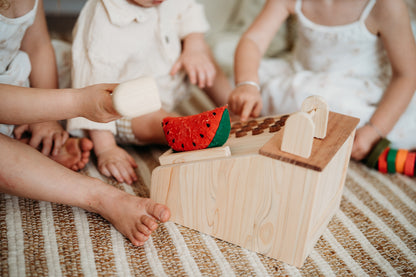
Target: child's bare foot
(133,216)
(75,153)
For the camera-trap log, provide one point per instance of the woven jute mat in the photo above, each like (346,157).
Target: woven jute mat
(373,233)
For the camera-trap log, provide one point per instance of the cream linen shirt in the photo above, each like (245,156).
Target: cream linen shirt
(117,41)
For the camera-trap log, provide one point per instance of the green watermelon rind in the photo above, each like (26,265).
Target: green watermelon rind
(223,131)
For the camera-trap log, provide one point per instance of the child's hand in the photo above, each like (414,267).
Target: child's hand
(198,66)
(245,101)
(96,103)
(49,135)
(196,61)
(365,139)
(116,162)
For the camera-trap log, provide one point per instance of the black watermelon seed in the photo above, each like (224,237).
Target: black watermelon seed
(173,141)
(183,146)
(214,113)
(201,135)
(193,143)
(167,132)
(208,125)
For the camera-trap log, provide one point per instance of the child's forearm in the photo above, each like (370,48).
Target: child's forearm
(393,103)
(102,139)
(247,61)
(37,44)
(195,42)
(221,88)
(257,39)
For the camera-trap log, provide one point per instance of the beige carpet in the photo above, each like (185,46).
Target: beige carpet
(373,233)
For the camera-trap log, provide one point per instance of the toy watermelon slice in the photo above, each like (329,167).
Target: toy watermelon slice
(200,131)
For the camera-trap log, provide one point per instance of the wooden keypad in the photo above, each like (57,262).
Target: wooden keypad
(258,126)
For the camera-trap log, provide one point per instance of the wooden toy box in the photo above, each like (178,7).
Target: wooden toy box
(252,194)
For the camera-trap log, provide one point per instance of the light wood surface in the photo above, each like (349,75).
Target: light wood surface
(169,157)
(320,109)
(298,135)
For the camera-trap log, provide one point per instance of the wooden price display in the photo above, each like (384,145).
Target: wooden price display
(272,187)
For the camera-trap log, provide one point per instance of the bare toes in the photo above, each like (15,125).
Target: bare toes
(141,238)
(86,144)
(136,242)
(149,222)
(85,155)
(159,211)
(81,165)
(144,229)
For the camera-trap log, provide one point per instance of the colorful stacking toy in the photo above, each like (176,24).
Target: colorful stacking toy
(389,160)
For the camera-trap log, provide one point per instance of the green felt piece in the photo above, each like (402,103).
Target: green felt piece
(223,131)
(372,157)
(391,161)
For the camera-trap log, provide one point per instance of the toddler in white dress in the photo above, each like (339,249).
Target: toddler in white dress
(343,52)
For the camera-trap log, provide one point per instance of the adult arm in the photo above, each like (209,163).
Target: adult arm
(20,105)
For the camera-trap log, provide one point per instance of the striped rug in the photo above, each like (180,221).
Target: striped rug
(372,234)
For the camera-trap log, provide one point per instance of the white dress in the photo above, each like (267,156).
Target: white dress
(345,64)
(14,64)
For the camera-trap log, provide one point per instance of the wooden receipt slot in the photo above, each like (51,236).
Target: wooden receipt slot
(255,194)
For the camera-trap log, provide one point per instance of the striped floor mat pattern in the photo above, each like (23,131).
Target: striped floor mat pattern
(372,234)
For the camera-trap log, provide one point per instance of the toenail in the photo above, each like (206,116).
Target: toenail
(162,215)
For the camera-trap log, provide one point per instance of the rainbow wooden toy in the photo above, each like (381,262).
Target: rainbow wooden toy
(389,160)
(271,188)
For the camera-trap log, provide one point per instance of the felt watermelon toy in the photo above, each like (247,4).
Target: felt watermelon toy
(200,131)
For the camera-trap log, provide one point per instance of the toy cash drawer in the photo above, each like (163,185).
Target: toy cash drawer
(272,188)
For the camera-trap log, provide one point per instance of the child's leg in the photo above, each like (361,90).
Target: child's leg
(27,173)
(147,129)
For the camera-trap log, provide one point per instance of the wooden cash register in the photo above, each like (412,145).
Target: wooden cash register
(272,188)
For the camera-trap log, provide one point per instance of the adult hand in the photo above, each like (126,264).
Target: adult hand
(96,103)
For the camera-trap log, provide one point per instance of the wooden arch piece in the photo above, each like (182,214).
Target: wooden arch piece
(318,108)
(298,134)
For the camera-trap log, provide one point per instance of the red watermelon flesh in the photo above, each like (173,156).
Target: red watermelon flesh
(200,131)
